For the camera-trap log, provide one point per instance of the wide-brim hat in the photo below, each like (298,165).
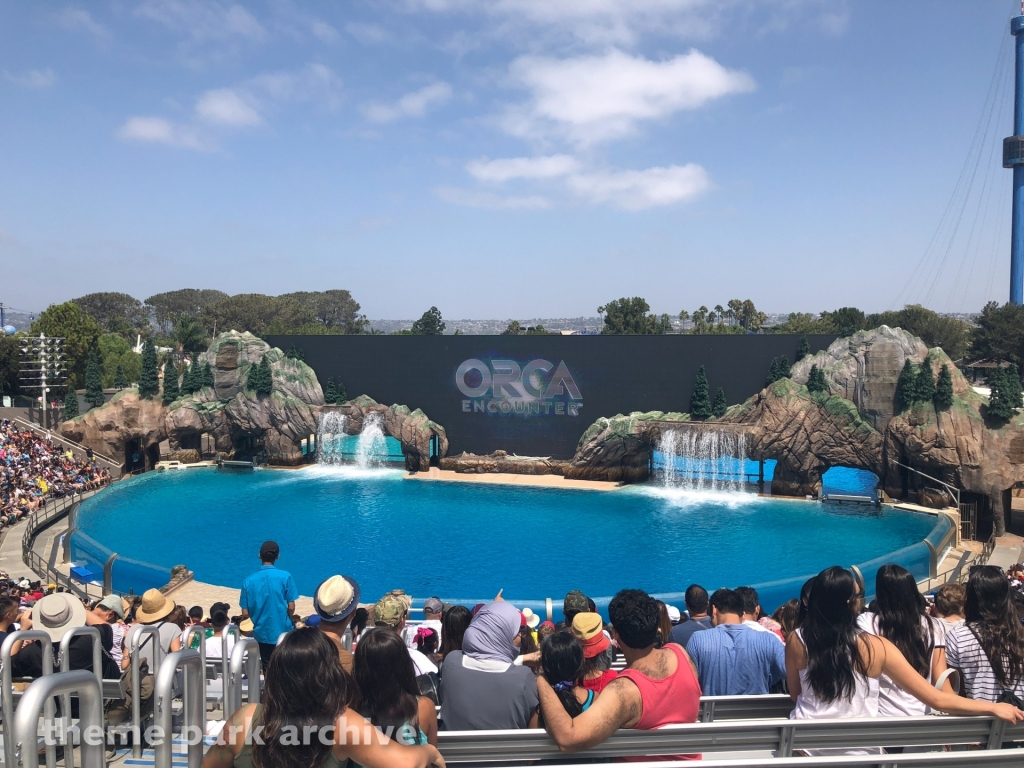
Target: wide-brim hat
(336,598)
(57,613)
(155,606)
(589,630)
(532,619)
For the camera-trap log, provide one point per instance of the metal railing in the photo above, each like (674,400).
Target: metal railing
(194,701)
(65,666)
(39,520)
(7,693)
(245,659)
(134,646)
(39,697)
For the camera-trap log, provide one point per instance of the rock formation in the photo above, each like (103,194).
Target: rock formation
(500,461)
(411,428)
(125,419)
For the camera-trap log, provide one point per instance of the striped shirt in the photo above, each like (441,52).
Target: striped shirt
(964,652)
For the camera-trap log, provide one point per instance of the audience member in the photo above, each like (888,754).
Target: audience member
(833,667)
(335,600)
(786,616)
(561,658)
(696,598)
(658,687)
(949,605)
(481,687)
(359,620)
(588,630)
(527,642)
(426,643)
(546,629)
(988,648)
(268,598)
(674,615)
(753,616)
(734,659)
(389,695)
(9,607)
(390,611)
(215,642)
(56,615)
(664,623)
(433,610)
(306,688)
(455,622)
(575,602)
(900,618)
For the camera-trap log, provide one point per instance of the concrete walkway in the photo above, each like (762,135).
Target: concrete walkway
(1008,551)
(10,552)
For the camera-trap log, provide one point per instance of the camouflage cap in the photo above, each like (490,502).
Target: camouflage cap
(389,610)
(575,602)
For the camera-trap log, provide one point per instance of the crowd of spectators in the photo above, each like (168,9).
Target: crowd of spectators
(34,469)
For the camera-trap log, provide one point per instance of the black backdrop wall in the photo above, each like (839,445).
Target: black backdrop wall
(488,404)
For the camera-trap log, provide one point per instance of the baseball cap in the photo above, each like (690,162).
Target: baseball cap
(575,601)
(269,548)
(589,630)
(673,614)
(389,610)
(113,603)
(336,598)
(433,605)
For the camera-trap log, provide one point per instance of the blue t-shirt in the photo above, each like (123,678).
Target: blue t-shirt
(681,633)
(265,595)
(734,660)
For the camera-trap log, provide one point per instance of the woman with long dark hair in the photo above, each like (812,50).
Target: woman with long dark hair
(306,692)
(988,648)
(900,617)
(453,627)
(561,657)
(832,666)
(389,695)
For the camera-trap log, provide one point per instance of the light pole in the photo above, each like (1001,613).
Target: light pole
(42,365)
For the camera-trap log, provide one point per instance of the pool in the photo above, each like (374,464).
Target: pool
(464,542)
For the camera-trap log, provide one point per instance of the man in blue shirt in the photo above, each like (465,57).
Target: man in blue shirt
(733,659)
(268,598)
(696,598)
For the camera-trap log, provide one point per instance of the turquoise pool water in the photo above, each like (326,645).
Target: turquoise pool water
(464,542)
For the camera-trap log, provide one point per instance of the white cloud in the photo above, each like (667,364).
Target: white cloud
(225,107)
(636,190)
(366,33)
(203,20)
(76,18)
(507,169)
(490,201)
(157,130)
(591,99)
(314,83)
(413,104)
(33,78)
(324,31)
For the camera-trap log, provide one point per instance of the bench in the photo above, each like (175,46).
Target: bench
(779,736)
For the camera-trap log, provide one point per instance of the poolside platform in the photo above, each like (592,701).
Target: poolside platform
(498,478)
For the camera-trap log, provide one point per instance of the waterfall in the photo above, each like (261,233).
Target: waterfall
(703,460)
(330,436)
(371,448)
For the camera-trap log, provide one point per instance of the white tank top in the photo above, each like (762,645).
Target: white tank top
(863,703)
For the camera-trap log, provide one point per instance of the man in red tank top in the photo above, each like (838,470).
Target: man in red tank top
(658,687)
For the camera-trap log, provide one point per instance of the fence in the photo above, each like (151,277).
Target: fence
(41,519)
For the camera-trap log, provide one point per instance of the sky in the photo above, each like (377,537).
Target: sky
(510,158)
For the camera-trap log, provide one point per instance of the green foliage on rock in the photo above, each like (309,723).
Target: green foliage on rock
(295,354)
(943,399)
(429,324)
(207,376)
(630,316)
(924,383)
(79,331)
(120,382)
(93,382)
(70,404)
(330,393)
(816,380)
(341,397)
(1001,403)
(171,390)
(700,400)
(805,348)
(906,387)
(149,379)
(779,369)
(720,406)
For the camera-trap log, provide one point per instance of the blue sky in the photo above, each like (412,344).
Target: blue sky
(514,158)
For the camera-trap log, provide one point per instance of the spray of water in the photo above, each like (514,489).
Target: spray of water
(330,436)
(703,460)
(371,448)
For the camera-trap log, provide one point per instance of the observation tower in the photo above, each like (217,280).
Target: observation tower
(1013,157)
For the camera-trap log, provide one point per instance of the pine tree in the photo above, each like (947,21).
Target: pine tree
(784,368)
(700,400)
(70,404)
(330,394)
(186,381)
(816,380)
(171,390)
(720,405)
(924,384)
(805,348)
(120,382)
(342,396)
(905,387)
(207,374)
(1000,402)
(292,353)
(943,390)
(1014,390)
(773,371)
(93,382)
(265,378)
(149,380)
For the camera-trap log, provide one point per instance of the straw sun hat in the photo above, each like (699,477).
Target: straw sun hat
(57,613)
(155,606)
